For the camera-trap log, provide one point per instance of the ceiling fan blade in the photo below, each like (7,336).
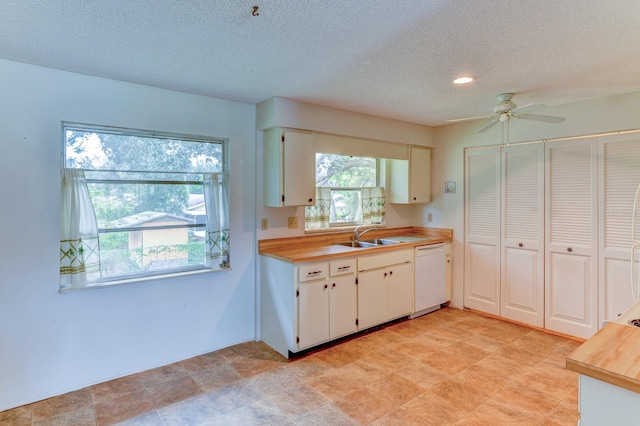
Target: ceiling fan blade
(536,117)
(487,126)
(526,107)
(457,120)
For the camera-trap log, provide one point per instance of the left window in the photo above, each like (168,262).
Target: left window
(136,204)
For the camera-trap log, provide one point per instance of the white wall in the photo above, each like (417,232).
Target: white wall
(299,115)
(584,118)
(52,343)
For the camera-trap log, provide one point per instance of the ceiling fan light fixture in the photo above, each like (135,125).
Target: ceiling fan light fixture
(465,79)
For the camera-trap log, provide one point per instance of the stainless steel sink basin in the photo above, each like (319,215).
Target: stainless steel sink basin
(380,242)
(357,244)
(369,243)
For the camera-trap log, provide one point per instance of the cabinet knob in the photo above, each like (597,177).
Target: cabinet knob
(333,285)
(326,286)
(569,249)
(520,244)
(414,198)
(310,199)
(385,274)
(390,272)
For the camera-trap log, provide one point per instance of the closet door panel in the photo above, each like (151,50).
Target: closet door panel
(522,268)
(482,230)
(619,176)
(571,285)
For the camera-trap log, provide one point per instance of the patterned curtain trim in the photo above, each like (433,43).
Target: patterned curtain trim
(317,217)
(219,243)
(373,205)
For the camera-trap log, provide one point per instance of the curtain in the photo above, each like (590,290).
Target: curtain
(216,200)
(317,217)
(373,205)
(79,244)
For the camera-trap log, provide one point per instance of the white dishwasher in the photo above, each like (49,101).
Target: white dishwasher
(430,278)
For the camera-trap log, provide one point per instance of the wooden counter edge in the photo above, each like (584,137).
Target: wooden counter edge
(603,375)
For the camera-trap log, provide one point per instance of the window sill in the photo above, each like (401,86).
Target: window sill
(113,283)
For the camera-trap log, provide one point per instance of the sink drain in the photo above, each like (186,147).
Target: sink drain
(634,322)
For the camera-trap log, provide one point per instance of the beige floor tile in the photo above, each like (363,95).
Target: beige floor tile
(399,417)
(81,417)
(115,388)
(69,402)
(447,363)
(174,391)
(502,413)
(365,405)
(20,416)
(461,395)
(396,388)
(122,407)
(327,415)
(528,399)
(422,375)
(433,409)
(216,377)
(297,399)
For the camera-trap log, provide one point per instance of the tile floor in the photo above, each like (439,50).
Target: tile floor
(450,367)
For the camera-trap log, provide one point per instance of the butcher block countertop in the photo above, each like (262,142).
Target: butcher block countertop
(612,355)
(315,247)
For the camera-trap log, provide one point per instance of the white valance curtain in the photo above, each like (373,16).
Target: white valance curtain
(216,199)
(79,244)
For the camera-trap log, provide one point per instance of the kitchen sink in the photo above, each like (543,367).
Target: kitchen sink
(355,244)
(380,242)
(368,243)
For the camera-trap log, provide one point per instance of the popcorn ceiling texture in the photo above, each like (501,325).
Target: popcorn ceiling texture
(389,58)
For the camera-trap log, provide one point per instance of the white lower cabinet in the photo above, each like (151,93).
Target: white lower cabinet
(313,303)
(385,287)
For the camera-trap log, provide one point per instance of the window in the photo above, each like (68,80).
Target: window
(345,192)
(159,201)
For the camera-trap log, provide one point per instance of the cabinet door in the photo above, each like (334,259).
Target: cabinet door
(571,289)
(482,230)
(343,305)
(522,265)
(410,180)
(299,169)
(372,298)
(420,175)
(288,168)
(400,281)
(313,313)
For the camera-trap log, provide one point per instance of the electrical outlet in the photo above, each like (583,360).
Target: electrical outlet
(429,217)
(293,222)
(265,224)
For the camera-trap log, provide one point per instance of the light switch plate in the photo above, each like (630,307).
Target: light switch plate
(293,222)
(429,217)
(265,224)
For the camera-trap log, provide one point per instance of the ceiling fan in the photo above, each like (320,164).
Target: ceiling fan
(505,110)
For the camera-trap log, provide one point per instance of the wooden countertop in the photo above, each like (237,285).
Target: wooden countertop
(612,355)
(317,247)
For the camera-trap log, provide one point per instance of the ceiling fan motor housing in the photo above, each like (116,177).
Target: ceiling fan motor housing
(505,104)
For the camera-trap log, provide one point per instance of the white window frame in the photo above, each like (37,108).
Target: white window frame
(159,273)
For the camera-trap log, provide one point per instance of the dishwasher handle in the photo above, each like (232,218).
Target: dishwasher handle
(430,249)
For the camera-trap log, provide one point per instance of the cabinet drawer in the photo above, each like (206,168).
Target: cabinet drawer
(385,259)
(316,271)
(342,267)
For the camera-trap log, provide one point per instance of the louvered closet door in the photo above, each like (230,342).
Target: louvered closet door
(571,285)
(482,230)
(522,272)
(619,176)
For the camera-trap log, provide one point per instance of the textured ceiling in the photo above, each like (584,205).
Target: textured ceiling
(390,58)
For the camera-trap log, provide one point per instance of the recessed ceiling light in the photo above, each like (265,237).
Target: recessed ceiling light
(464,80)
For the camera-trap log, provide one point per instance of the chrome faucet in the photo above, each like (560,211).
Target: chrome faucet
(357,236)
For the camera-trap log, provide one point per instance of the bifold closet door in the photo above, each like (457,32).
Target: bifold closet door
(522,263)
(571,285)
(619,176)
(482,230)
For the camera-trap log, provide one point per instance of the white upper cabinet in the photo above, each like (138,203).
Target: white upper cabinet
(410,180)
(289,168)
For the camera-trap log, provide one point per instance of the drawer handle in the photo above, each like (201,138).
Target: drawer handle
(342,268)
